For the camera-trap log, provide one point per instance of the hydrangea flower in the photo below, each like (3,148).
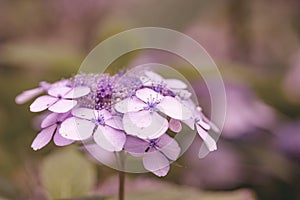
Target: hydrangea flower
(106,129)
(59,99)
(141,116)
(113,113)
(203,125)
(156,152)
(171,86)
(51,129)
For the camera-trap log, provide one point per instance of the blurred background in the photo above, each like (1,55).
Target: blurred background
(256,47)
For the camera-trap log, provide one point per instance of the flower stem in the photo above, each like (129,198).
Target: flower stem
(121,185)
(121,158)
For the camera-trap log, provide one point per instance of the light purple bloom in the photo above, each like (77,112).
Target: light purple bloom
(203,125)
(50,126)
(140,113)
(59,99)
(158,83)
(105,128)
(29,94)
(157,153)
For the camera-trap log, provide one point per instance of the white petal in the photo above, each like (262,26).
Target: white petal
(109,138)
(84,113)
(175,84)
(156,78)
(61,141)
(27,95)
(141,118)
(63,106)
(77,92)
(105,157)
(157,163)
(157,126)
(162,172)
(76,129)
(131,104)
(183,94)
(42,103)
(208,140)
(174,109)
(59,91)
(147,95)
(115,122)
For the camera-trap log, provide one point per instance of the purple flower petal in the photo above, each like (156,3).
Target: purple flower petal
(59,91)
(61,141)
(156,162)
(63,106)
(27,95)
(135,146)
(42,103)
(162,172)
(50,120)
(175,125)
(174,109)
(76,129)
(169,147)
(109,138)
(147,95)
(157,127)
(175,83)
(131,104)
(208,140)
(77,92)
(43,138)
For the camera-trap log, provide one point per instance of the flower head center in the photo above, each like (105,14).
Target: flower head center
(99,120)
(151,104)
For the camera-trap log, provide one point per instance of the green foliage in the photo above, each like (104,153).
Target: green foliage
(67,174)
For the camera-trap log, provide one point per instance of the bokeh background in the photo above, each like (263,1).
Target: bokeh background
(256,47)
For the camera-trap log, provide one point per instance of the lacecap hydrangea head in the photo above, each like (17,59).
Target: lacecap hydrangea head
(119,113)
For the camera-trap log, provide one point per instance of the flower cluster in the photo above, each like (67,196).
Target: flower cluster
(119,113)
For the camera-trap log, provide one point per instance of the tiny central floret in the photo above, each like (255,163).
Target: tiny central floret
(99,120)
(151,104)
(154,143)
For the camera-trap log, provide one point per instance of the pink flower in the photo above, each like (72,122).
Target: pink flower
(157,153)
(50,126)
(59,99)
(105,128)
(141,116)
